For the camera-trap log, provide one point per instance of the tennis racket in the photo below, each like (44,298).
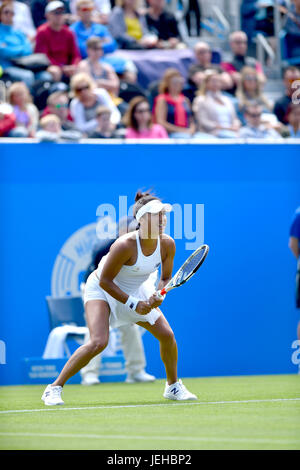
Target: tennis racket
(187,270)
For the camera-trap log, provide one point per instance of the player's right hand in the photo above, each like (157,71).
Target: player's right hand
(143,308)
(156,300)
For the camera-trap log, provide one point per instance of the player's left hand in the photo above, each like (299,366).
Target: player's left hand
(156,300)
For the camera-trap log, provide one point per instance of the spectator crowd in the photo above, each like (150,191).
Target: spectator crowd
(63,75)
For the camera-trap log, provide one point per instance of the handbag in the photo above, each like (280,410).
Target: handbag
(34,62)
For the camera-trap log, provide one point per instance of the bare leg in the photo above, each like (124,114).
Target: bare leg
(168,347)
(97,317)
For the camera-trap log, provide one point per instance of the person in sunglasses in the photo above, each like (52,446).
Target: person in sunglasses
(250,90)
(86,27)
(58,104)
(87,98)
(138,120)
(254,128)
(57,41)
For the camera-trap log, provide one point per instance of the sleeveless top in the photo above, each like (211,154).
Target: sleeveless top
(130,278)
(96,75)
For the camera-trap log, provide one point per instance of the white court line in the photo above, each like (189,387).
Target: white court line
(158,438)
(106,407)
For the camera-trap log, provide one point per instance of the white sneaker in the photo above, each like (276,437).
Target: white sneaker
(139,377)
(178,391)
(52,395)
(90,379)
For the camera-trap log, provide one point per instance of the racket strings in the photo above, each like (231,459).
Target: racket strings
(192,263)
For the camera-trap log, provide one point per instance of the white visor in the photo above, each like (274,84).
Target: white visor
(152,207)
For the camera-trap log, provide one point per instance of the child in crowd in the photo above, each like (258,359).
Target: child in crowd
(105,129)
(27,115)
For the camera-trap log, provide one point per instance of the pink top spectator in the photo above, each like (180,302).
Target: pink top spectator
(155,132)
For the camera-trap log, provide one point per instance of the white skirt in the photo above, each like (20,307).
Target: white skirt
(120,314)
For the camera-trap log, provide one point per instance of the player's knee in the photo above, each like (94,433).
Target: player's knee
(168,336)
(97,345)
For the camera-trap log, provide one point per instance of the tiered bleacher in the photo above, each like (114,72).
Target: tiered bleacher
(81,69)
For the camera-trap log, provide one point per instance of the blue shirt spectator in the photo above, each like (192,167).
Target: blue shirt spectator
(292,28)
(86,28)
(255,128)
(13,43)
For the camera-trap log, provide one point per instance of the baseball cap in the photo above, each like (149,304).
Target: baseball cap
(55,5)
(153,207)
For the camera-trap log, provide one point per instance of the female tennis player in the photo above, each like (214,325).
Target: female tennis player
(121,291)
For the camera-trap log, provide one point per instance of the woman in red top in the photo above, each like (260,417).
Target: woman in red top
(172,109)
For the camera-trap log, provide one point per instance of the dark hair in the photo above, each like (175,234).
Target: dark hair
(141,198)
(290,68)
(254,104)
(291,108)
(129,118)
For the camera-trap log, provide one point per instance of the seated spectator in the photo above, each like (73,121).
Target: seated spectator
(129,27)
(248,12)
(292,28)
(86,102)
(172,109)
(105,129)
(101,72)
(101,11)
(13,45)
(214,111)
(203,61)
(7,119)
(38,8)
(57,41)
(86,27)
(163,24)
(51,130)
(139,123)
(254,128)
(58,104)
(293,118)
(250,91)
(22,18)
(264,18)
(290,75)
(27,115)
(203,56)
(239,45)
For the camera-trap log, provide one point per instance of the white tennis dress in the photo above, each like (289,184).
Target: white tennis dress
(137,280)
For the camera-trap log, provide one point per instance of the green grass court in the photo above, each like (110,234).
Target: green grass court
(249,412)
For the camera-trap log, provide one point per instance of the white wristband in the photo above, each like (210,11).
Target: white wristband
(132,302)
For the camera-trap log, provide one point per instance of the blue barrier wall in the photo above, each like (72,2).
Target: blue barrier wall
(236,317)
